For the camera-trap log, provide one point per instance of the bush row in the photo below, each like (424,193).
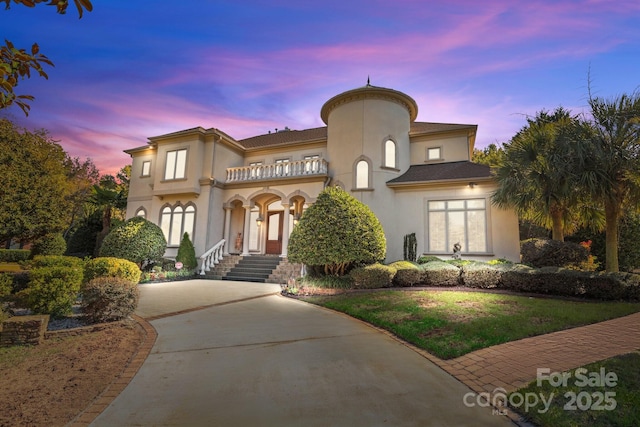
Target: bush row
(14,255)
(514,277)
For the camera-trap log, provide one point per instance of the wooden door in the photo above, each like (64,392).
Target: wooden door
(274,233)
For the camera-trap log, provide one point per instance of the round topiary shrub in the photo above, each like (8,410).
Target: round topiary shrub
(111,267)
(336,233)
(373,276)
(407,274)
(50,244)
(439,273)
(137,240)
(106,299)
(53,290)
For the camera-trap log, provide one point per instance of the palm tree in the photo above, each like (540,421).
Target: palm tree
(616,142)
(540,171)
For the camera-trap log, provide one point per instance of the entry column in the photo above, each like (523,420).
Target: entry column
(285,230)
(247,223)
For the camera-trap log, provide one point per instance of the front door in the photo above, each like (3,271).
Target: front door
(274,232)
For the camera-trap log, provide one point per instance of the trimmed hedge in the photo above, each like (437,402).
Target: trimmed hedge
(40,261)
(373,276)
(111,267)
(49,244)
(53,290)
(14,255)
(6,284)
(428,258)
(552,253)
(439,273)
(482,276)
(106,299)
(407,274)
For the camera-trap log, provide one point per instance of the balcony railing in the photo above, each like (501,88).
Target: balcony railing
(299,168)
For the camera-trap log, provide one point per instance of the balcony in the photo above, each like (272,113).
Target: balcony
(297,169)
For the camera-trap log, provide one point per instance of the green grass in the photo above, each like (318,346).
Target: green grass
(449,324)
(589,408)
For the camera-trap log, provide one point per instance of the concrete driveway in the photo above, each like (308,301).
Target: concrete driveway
(254,358)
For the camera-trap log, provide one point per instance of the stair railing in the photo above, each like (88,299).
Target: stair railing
(211,257)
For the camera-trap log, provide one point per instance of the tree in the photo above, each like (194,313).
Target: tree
(616,142)
(490,155)
(187,253)
(111,197)
(137,240)
(541,172)
(34,196)
(336,233)
(16,64)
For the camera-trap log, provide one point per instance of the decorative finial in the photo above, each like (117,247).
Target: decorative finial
(368,81)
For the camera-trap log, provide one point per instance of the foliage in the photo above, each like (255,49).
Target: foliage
(34,181)
(82,239)
(541,172)
(482,276)
(49,244)
(110,197)
(111,267)
(553,253)
(16,64)
(40,261)
(53,290)
(137,240)
(428,258)
(491,155)
(329,282)
(407,274)
(439,273)
(373,276)
(106,299)
(187,253)
(616,145)
(337,232)
(410,247)
(6,284)
(14,255)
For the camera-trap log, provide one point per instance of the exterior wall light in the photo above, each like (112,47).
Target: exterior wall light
(259,220)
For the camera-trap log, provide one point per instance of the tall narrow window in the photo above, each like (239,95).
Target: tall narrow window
(362,174)
(141,213)
(176,164)
(457,221)
(390,154)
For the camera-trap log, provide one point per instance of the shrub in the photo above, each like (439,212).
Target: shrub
(6,285)
(53,290)
(56,261)
(137,240)
(187,253)
(483,276)
(49,244)
(439,273)
(336,233)
(407,274)
(552,253)
(111,267)
(106,299)
(373,276)
(427,258)
(14,255)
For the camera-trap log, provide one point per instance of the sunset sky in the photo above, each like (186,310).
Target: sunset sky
(133,69)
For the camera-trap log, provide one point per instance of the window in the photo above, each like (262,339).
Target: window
(457,221)
(141,212)
(362,174)
(176,221)
(146,168)
(176,164)
(390,154)
(434,153)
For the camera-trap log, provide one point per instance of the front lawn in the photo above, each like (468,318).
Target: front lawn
(609,396)
(449,324)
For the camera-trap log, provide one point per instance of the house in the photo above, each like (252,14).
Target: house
(417,177)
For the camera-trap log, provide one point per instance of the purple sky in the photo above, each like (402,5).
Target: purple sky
(132,69)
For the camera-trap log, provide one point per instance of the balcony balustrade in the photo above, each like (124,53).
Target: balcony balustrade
(299,168)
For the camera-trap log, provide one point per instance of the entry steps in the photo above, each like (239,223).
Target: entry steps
(254,268)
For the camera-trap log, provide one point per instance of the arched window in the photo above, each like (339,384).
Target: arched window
(177,221)
(390,154)
(362,174)
(141,213)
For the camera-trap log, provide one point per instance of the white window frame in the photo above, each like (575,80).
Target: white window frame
(428,156)
(176,164)
(146,168)
(176,220)
(358,178)
(390,160)
(449,207)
